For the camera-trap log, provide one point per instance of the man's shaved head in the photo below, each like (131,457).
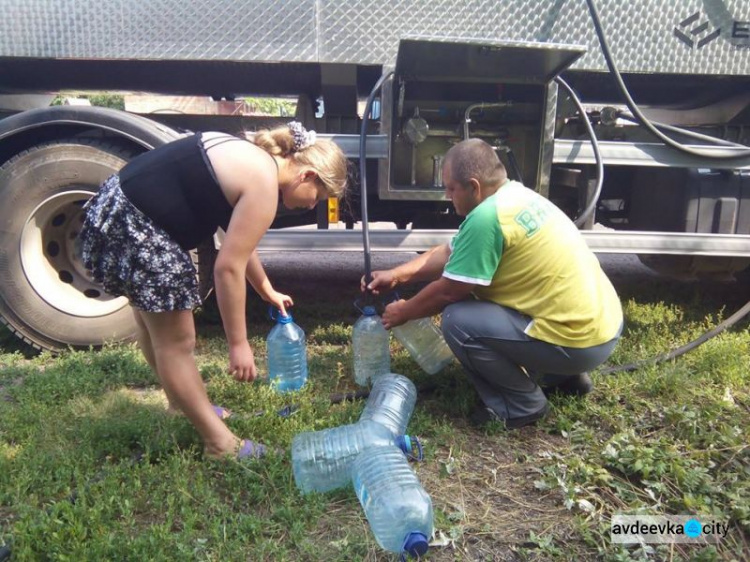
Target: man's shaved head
(474,158)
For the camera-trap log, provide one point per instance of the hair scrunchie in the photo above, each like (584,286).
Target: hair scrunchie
(302,137)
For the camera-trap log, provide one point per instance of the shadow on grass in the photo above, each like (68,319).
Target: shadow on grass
(12,344)
(77,374)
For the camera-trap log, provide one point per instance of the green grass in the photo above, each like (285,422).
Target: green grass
(91,468)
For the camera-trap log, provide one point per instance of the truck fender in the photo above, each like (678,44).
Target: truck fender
(32,124)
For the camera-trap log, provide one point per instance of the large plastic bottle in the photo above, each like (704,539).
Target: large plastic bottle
(287,355)
(391,402)
(425,343)
(372,353)
(322,460)
(397,507)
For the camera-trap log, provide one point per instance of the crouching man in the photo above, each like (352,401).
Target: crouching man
(525,303)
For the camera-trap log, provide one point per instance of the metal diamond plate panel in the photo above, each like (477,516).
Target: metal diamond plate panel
(263,30)
(674,36)
(641,33)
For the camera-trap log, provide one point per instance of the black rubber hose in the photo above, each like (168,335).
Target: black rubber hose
(363,176)
(731,321)
(591,203)
(740,155)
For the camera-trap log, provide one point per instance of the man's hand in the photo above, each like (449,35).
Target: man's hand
(279,300)
(242,362)
(394,314)
(381,281)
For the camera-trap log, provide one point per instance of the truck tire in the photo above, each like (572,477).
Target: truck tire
(46,295)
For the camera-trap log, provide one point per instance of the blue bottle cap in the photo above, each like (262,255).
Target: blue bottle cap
(403,442)
(369,311)
(284,319)
(275,314)
(416,544)
(411,446)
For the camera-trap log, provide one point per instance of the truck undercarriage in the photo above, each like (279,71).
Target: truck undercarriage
(461,69)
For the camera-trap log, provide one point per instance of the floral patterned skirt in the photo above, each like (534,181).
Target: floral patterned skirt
(132,257)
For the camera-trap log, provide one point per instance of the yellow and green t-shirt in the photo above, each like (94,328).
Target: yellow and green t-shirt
(524,253)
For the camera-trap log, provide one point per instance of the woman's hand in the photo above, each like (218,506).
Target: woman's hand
(278,300)
(242,362)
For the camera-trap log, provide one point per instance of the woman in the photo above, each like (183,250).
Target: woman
(139,229)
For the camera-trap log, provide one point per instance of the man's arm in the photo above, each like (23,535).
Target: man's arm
(427,302)
(426,267)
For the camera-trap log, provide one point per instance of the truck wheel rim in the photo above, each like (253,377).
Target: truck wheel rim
(50,261)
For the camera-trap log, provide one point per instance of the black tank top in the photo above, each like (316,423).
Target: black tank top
(175,186)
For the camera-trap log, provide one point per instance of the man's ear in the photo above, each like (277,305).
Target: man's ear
(476,188)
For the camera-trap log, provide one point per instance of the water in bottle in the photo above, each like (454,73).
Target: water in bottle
(322,460)
(372,353)
(391,402)
(425,343)
(287,355)
(396,506)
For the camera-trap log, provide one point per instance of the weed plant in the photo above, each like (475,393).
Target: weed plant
(93,469)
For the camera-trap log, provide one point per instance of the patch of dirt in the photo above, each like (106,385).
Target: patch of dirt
(487,490)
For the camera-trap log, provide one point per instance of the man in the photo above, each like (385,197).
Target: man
(524,300)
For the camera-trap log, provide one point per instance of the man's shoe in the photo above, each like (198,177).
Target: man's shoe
(483,415)
(576,385)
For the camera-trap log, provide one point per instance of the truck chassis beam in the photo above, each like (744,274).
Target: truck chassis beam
(605,242)
(580,152)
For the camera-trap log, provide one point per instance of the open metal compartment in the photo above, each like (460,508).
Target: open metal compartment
(445,90)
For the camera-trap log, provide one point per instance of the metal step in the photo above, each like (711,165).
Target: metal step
(600,241)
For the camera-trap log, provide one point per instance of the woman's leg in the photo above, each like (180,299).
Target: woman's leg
(172,339)
(144,343)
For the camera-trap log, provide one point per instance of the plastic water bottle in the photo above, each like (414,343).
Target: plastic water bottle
(425,343)
(391,402)
(372,353)
(287,354)
(397,507)
(322,460)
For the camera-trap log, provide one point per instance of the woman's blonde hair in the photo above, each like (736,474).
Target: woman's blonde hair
(324,156)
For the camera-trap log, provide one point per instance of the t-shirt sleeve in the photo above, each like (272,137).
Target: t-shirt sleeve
(477,248)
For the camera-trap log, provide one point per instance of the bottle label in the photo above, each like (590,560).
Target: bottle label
(364,497)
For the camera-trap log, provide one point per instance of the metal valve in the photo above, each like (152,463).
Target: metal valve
(416,129)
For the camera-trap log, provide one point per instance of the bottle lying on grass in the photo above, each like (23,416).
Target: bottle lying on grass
(322,460)
(396,506)
(391,402)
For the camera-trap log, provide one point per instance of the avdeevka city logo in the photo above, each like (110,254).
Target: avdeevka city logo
(693,528)
(691,31)
(640,529)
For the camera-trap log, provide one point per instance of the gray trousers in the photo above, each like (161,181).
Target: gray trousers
(489,341)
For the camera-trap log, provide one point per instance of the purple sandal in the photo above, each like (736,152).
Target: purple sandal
(251,450)
(223,413)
